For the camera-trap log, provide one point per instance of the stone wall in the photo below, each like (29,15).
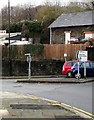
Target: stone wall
(58,36)
(42,67)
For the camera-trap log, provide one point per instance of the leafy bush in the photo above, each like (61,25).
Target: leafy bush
(34,49)
(15,28)
(34,28)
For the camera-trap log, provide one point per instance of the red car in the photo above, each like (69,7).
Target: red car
(67,67)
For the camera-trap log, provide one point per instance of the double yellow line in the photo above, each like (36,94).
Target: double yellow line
(77,110)
(86,114)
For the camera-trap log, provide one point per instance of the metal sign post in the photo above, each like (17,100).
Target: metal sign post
(84,70)
(82,57)
(29,59)
(78,70)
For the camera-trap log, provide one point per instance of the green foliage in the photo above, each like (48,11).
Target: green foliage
(15,28)
(34,26)
(18,52)
(32,29)
(34,49)
(48,14)
(45,14)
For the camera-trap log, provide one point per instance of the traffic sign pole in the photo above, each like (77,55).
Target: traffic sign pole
(29,71)
(84,70)
(82,57)
(78,70)
(29,59)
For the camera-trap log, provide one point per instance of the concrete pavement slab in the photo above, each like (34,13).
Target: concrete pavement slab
(18,105)
(4,112)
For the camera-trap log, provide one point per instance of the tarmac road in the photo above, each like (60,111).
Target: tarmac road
(77,95)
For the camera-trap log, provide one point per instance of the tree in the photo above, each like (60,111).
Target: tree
(47,14)
(4,16)
(73,7)
(32,29)
(44,14)
(88,5)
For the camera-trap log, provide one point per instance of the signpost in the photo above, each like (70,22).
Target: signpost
(82,57)
(29,59)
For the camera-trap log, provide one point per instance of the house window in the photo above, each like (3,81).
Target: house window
(67,36)
(89,34)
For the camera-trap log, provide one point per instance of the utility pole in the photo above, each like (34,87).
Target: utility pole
(9,20)
(9,54)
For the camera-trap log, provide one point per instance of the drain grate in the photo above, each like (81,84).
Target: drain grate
(34,106)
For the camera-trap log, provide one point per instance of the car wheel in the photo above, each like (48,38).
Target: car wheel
(69,74)
(77,76)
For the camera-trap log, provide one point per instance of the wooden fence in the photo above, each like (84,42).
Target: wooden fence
(53,51)
(56,51)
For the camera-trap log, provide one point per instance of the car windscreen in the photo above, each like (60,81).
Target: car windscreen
(85,64)
(71,63)
(92,64)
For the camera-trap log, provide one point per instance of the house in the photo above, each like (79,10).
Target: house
(73,25)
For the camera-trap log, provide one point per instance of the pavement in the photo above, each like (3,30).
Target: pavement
(19,106)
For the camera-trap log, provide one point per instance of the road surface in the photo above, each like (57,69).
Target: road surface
(77,95)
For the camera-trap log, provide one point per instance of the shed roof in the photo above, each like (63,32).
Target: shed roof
(74,19)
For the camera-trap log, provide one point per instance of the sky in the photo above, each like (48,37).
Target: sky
(35,2)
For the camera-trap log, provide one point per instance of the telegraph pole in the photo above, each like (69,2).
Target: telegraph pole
(9,20)
(9,37)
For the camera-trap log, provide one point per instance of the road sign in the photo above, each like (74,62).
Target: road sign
(82,55)
(29,59)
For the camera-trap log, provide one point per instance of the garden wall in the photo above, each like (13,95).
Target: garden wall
(20,68)
(46,59)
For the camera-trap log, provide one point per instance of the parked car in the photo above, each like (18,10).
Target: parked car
(67,67)
(89,69)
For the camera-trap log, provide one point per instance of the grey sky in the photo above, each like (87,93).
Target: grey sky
(36,2)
